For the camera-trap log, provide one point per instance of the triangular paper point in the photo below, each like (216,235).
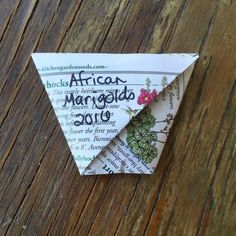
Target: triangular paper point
(95,96)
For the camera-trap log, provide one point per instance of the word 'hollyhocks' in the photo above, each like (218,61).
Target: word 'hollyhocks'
(140,138)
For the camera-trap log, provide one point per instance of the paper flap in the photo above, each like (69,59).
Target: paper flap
(123,154)
(95,96)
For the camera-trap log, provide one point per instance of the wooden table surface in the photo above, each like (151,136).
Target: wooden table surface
(192,191)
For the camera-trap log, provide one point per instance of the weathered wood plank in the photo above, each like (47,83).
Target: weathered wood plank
(192,191)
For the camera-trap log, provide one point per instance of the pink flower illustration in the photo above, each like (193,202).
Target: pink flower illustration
(146,97)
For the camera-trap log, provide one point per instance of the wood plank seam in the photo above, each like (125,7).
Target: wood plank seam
(60,207)
(35,176)
(67,31)
(205,211)
(169,36)
(31,183)
(162,182)
(65,231)
(11,107)
(153,27)
(128,206)
(108,31)
(131,30)
(77,229)
(87,199)
(13,13)
(67,162)
(20,41)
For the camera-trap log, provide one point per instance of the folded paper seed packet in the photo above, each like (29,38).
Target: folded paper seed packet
(115,110)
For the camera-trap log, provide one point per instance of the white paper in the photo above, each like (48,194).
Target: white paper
(115,110)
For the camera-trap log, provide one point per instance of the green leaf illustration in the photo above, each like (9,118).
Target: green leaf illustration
(140,138)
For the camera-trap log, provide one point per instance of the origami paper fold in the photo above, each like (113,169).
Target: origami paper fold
(115,110)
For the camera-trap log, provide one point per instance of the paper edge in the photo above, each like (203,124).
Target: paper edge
(195,57)
(192,64)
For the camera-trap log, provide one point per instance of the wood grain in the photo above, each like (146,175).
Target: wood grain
(192,191)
